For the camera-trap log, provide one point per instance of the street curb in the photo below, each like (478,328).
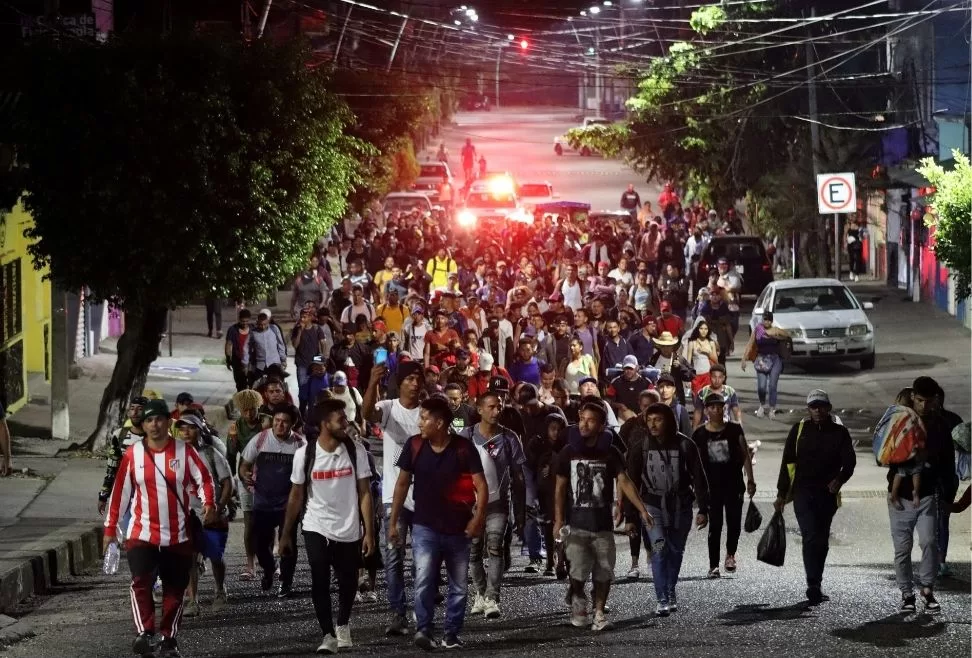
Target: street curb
(50,561)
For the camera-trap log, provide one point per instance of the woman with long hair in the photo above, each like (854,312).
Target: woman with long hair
(701,350)
(579,367)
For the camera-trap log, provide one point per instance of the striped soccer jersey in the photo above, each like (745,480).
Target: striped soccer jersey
(157,515)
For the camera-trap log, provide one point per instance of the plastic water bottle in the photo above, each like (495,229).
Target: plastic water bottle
(112,558)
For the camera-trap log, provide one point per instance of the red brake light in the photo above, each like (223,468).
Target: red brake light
(767,267)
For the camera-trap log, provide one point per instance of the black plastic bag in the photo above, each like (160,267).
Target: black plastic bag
(772,545)
(753,517)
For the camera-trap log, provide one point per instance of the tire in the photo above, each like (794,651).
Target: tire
(558,149)
(867,363)
(586,152)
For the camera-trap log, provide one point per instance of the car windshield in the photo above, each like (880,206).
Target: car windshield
(815,298)
(406,204)
(535,189)
(432,170)
(736,251)
(487,200)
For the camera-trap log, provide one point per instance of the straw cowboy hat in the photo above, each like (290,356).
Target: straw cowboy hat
(666,338)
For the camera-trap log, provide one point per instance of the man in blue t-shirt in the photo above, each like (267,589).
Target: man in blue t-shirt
(447,477)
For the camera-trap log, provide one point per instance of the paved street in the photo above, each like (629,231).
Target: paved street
(756,613)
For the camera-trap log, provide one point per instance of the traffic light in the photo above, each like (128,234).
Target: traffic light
(524,44)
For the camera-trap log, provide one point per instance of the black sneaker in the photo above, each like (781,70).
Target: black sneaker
(908,603)
(423,641)
(561,571)
(169,648)
(532,567)
(266,582)
(932,606)
(144,644)
(285,591)
(815,597)
(549,572)
(397,626)
(452,641)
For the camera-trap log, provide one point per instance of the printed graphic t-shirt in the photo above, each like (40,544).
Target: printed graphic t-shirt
(591,473)
(332,505)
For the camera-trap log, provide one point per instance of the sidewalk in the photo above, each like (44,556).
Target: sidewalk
(49,523)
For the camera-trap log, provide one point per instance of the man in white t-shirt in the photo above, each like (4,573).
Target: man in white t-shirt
(268,461)
(399,420)
(331,485)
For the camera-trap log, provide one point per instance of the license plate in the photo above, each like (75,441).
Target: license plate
(740,269)
(827,348)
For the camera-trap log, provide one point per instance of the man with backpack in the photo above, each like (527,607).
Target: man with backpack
(439,267)
(330,495)
(450,493)
(503,459)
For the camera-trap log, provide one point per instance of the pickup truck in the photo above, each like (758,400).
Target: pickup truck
(562,143)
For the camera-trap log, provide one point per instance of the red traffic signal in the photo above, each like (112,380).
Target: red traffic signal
(524,44)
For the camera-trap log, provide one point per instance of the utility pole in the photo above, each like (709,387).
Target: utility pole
(398,40)
(337,49)
(263,19)
(598,90)
(499,58)
(815,148)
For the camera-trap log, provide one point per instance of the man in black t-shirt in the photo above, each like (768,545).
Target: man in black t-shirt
(448,484)
(585,480)
(626,389)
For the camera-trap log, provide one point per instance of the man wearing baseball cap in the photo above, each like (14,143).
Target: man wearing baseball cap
(627,387)
(818,458)
(668,321)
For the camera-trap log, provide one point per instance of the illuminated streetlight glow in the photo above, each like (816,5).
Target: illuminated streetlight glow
(607,3)
(457,22)
(470,13)
(510,37)
(474,18)
(524,44)
(583,13)
(595,10)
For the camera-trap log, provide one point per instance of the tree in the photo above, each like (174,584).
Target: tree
(715,116)
(389,114)
(952,219)
(159,170)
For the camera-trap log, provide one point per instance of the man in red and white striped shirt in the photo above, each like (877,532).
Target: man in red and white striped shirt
(153,481)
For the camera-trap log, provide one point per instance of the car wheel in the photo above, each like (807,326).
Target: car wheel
(558,149)
(586,152)
(867,363)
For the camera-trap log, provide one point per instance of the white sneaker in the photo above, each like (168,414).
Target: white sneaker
(343,637)
(772,414)
(371,596)
(578,612)
(358,598)
(601,623)
(479,605)
(634,573)
(759,411)
(329,645)
(491,609)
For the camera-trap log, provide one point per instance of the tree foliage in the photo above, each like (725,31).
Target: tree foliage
(720,119)
(952,218)
(159,170)
(390,112)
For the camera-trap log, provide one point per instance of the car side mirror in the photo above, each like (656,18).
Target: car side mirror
(868,306)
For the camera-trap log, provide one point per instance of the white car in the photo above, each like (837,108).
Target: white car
(826,322)
(483,207)
(562,144)
(533,194)
(406,202)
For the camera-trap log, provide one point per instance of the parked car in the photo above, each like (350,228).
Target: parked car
(745,253)
(436,182)
(825,320)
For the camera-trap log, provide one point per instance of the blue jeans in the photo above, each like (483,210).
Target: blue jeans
(429,550)
(395,559)
(303,388)
(768,382)
(666,563)
(487,578)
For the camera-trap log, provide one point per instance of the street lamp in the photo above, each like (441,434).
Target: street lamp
(595,10)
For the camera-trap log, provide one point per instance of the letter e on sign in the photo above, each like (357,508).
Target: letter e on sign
(836,193)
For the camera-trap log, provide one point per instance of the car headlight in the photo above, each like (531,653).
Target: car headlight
(858,330)
(466,219)
(795,333)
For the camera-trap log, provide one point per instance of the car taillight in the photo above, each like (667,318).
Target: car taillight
(767,267)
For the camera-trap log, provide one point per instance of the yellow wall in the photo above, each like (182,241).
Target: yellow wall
(32,294)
